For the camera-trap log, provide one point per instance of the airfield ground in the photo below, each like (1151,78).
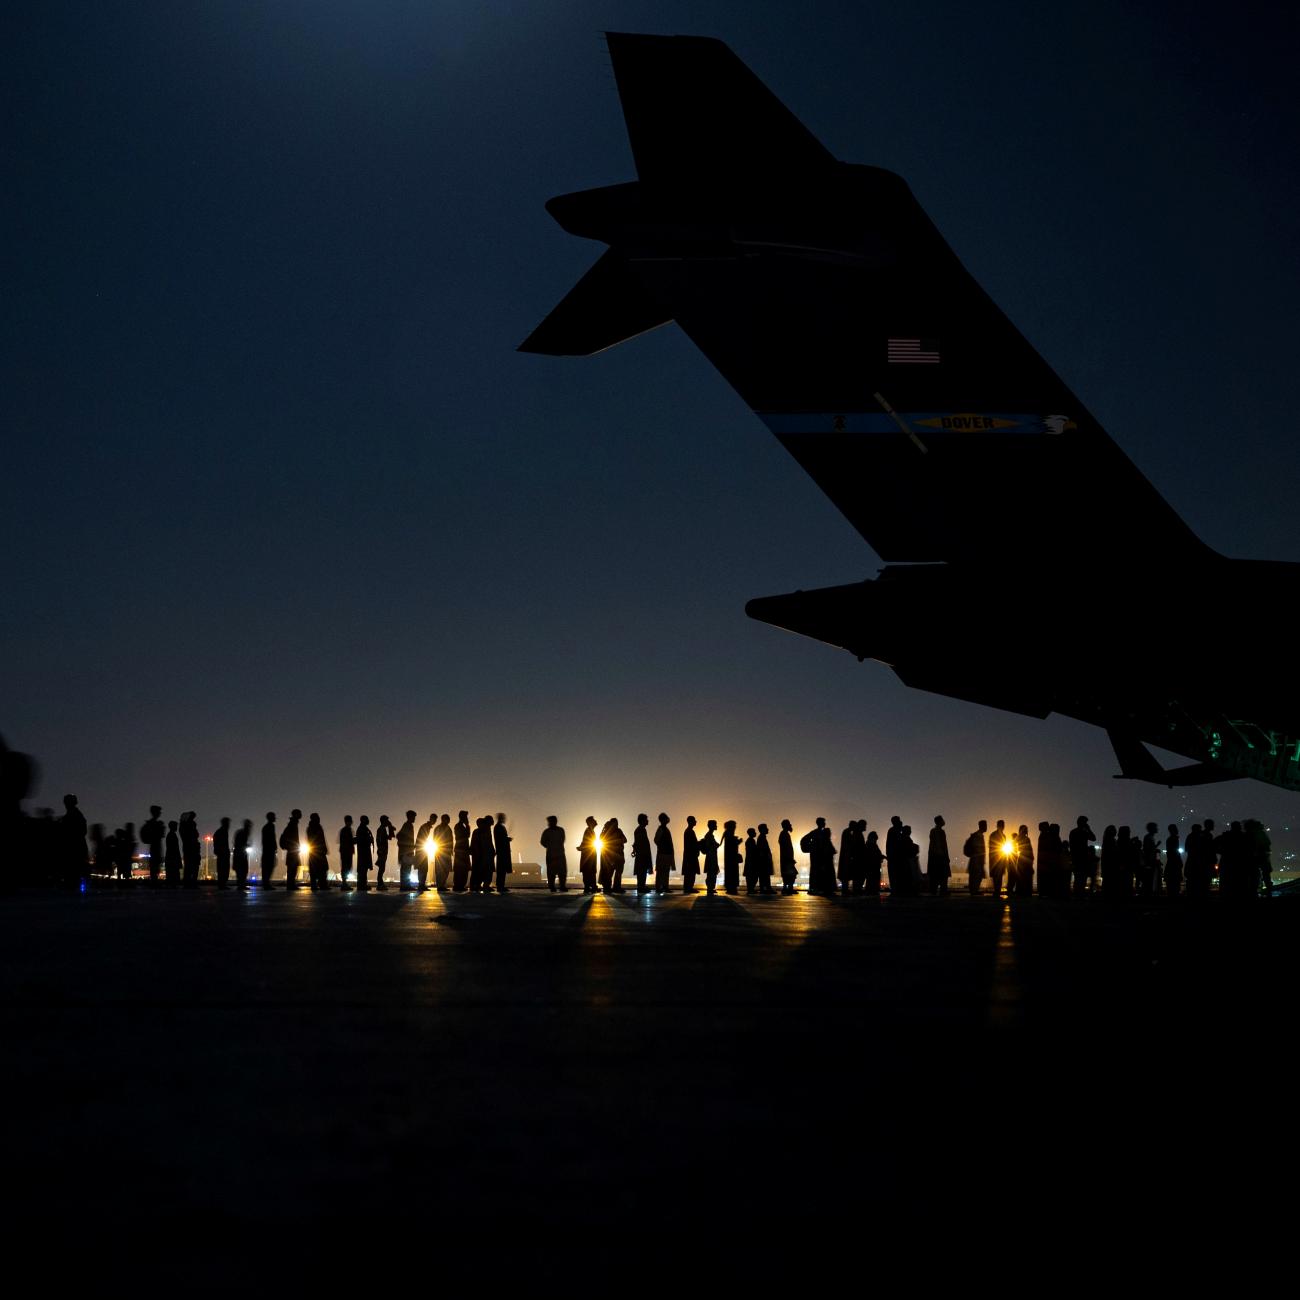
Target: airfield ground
(552,1063)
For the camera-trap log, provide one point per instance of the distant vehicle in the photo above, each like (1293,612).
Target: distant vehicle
(824,295)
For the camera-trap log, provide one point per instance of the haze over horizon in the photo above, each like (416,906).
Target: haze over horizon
(294,525)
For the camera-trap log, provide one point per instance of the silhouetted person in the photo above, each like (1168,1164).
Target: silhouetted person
(1048,862)
(1173,864)
(893,853)
(761,857)
(1082,855)
(614,848)
(557,865)
(938,866)
(347,851)
(1148,874)
(406,850)
(1195,867)
(385,834)
(364,843)
(125,845)
(642,863)
(848,857)
(291,842)
(152,834)
(690,857)
(481,857)
(997,856)
(709,846)
(461,863)
(191,849)
(270,843)
(425,850)
(904,863)
(1236,869)
(665,855)
(74,861)
(1024,863)
(1259,849)
(443,848)
(587,857)
(974,851)
(240,855)
(172,855)
(749,855)
(821,859)
(221,851)
(318,864)
(501,847)
(873,860)
(785,852)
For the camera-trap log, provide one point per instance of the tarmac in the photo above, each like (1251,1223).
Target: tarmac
(549,1064)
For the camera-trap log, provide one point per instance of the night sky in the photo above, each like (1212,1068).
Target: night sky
(287,520)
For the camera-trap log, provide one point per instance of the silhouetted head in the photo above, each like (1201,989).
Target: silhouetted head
(155,809)
(591,821)
(69,800)
(1124,833)
(171,826)
(750,833)
(501,817)
(296,814)
(383,820)
(821,821)
(642,819)
(939,821)
(907,830)
(690,821)
(225,823)
(762,828)
(552,820)
(1173,830)
(347,821)
(1234,826)
(663,819)
(314,819)
(1043,826)
(1056,828)
(1152,827)
(1001,824)
(727,826)
(1108,833)
(786,824)
(463,815)
(410,814)
(1024,830)
(365,821)
(1209,823)
(1082,821)
(873,837)
(248,825)
(983,825)
(446,819)
(613,823)
(713,826)
(270,817)
(861,823)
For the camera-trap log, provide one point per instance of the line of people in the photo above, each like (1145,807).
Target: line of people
(477,858)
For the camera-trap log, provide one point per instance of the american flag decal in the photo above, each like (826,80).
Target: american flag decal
(924,352)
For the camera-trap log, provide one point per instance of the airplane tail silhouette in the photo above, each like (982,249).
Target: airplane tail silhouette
(826,297)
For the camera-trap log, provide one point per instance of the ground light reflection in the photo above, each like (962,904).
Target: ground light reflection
(1004,992)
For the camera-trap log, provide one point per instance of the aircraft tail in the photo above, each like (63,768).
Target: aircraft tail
(829,301)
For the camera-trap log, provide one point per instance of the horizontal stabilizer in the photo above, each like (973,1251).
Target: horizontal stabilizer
(1138,763)
(605,307)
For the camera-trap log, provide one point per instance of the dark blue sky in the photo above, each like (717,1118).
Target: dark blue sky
(287,520)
